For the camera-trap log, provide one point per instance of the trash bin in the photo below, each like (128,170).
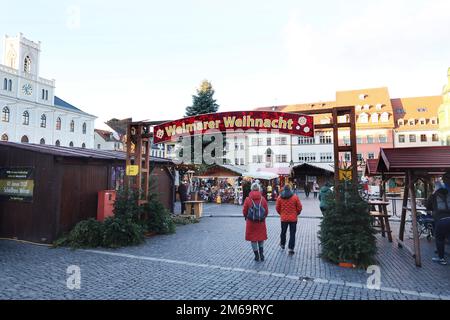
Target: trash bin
(105,205)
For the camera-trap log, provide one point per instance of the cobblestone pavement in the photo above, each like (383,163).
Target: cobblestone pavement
(211,260)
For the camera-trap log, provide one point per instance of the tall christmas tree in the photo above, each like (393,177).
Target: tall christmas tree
(204,101)
(346,232)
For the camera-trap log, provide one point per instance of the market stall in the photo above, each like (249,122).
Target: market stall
(219,184)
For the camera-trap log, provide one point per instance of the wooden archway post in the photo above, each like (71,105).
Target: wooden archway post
(417,255)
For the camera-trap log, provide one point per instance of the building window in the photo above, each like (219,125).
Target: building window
(10,85)
(347,156)
(5,137)
(43,94)
(42,141)
(421,109)
(98,146)
(305,140)
(281,158)
(242,146)
(57,143)
(281,141)
(46,94)
(423,138)
(412,138)
(27,64)
(236,161)
(25,118)
(325,139)
(58,124)
(306,157)
(346,140)
(422,121)
(84,128)
(382,138)
(374,118)
(326,157)
(411,122)
(72,126)
(5,114)
(401,122)
(370,155)
(257,159)
(257,141)
(384,117)
(435,137)
(242,161)
(24,139)
(359,140)
(43,121)
(359,157)
(433,121)
(71,144)
(269,141)
(369,139)
(363,118)
(5,84)
(401,138)
(379,106)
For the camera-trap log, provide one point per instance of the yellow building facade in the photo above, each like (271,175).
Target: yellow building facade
(444,114)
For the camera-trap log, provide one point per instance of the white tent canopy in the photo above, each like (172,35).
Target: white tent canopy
(263,175)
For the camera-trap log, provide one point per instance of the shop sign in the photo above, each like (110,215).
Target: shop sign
(16,184)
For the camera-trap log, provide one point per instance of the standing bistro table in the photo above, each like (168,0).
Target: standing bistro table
(382,215)
(194,208)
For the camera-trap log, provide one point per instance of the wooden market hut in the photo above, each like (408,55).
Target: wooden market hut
(66,185)
(323,173)
(418,163)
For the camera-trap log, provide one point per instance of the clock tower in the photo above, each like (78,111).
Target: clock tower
(23,55)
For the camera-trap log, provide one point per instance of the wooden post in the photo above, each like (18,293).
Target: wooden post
(336,145)
(353,143)
(404,206)
(414,221)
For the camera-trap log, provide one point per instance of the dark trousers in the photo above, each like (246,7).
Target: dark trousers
(307,194)
(183,207)
(292,230)
(442,231)
(315,194)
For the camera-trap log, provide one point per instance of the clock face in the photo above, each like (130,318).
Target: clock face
(27,89)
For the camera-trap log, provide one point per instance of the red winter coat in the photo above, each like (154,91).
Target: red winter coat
(255,231)
(289,209)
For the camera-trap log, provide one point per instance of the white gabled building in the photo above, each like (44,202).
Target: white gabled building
(29,110)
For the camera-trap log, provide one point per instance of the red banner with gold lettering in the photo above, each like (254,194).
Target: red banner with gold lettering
(267,121)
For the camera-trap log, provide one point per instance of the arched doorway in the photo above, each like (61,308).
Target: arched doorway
(57,143)
(42,141)
(71,144)
(5,137)
(24,139)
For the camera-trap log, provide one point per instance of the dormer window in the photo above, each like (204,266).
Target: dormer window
(325,121)
(363,96)
(374,118)
(401,122)
(27,64)
(384,117)
(422,121)
(363,118)
(358,107)
(411,122)
(367,107)
(379,106)
(421,109)
(433,121)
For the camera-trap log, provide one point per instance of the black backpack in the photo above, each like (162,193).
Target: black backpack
(257,212)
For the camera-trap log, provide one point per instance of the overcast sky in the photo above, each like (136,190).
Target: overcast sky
(144,59)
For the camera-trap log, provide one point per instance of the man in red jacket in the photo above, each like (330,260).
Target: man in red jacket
(288,207)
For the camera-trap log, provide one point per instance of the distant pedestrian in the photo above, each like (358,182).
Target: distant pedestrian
(183,192)
(307,189)
(255,211)
(289,208)
(323,195)
(316,189)
(439,203)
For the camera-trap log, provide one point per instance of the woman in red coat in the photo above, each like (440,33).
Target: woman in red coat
(256,231)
